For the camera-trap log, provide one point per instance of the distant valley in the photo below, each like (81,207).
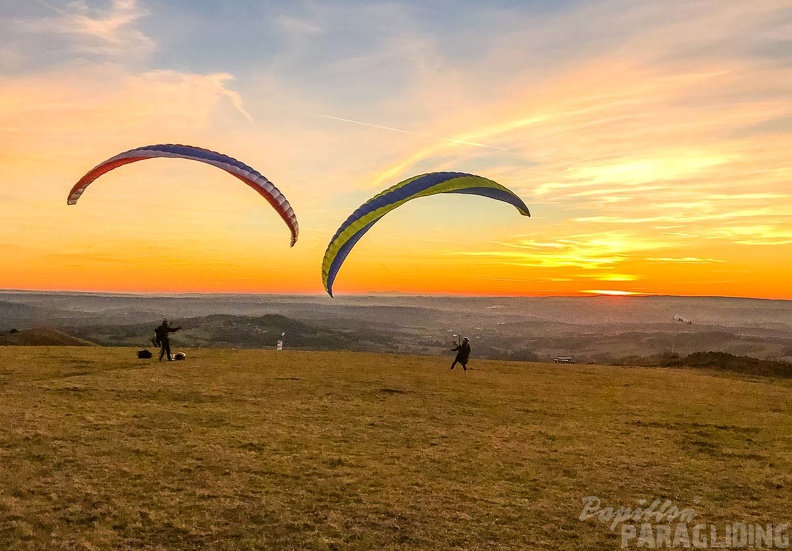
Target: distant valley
(591,329)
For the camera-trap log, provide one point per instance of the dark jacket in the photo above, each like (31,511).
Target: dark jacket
(463,352)
(161,332)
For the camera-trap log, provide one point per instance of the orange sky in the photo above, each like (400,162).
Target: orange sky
(651,145)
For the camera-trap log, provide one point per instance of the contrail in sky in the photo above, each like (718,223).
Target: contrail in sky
(414,133)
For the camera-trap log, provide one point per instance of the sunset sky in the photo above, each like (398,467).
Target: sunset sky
(652,141)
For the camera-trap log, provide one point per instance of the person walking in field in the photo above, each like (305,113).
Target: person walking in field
(161,338)
(463,354)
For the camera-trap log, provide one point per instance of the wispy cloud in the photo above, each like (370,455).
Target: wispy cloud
(652,143)
(294,26)
(111,32)
(586,252)
(391,129)
(684,260)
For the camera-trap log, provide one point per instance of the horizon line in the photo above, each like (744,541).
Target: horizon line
(389,294)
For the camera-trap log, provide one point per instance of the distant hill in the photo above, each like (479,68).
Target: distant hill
(719,361)
(598,330)
(229,331)
(41,336)
(14,314)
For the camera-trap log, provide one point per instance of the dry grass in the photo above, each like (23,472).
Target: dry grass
(298,450)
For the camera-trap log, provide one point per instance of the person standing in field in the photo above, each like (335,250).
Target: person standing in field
(161,338)
(463,354)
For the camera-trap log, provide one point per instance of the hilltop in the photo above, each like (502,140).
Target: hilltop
(254,449)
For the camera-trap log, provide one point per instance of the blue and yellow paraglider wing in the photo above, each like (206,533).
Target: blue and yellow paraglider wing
(378,206)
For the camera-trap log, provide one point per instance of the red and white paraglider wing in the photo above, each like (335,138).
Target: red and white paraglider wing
(242,171)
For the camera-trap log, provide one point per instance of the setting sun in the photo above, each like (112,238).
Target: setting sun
(611,292)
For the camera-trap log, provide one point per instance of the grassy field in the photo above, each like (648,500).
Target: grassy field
(297,450)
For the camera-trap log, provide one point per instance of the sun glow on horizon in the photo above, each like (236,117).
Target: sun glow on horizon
(612,292)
